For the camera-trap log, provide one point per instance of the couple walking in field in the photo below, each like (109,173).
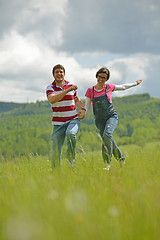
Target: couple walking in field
(66,121)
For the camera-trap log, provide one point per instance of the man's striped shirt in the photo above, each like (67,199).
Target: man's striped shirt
(64,110)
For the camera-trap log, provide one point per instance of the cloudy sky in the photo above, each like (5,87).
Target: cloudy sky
(82,35)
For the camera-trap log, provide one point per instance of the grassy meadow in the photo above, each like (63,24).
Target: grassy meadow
(85,202)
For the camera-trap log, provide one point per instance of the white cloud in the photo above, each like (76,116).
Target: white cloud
(26,65)
(81,35)
(16,52)
(49,6)
(134,65)
(138,66)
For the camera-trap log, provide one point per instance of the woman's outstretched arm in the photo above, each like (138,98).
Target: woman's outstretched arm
(127,85)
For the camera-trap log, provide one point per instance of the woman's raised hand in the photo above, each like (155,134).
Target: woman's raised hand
(138,81)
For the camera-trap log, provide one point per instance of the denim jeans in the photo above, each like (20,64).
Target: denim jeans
(109,146)
(69,129)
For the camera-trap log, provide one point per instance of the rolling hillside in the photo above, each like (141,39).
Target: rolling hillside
(26,128)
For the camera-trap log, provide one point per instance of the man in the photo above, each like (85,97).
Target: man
(66,122)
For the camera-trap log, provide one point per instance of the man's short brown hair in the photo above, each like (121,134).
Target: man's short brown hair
(58,66)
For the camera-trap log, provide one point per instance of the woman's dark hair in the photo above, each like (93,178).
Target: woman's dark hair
(103,70)
(58,66)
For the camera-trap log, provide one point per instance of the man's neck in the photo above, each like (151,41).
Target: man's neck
(60,83)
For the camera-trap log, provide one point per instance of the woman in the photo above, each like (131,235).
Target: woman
(106,117)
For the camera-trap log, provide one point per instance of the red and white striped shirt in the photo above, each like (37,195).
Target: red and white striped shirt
(64,110)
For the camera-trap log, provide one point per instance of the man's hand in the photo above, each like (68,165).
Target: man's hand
(81,114)
(72,87)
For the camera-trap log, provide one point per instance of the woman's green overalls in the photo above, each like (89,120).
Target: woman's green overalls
(106,120)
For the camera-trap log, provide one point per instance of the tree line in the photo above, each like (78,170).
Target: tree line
(26,129)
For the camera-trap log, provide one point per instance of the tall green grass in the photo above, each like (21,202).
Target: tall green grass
(84,202)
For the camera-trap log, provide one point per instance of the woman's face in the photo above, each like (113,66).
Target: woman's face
(102,77)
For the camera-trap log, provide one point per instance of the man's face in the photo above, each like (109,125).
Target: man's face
(59,75)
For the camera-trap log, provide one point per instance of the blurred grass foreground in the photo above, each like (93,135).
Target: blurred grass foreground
(84,202)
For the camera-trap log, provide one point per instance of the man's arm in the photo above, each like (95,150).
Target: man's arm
(79,104)
(53,98)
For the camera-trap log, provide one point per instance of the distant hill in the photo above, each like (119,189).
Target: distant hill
(8,106)
(43,107)
(26,128)
(16,109)
(132,98)
(137,106)
(128,108)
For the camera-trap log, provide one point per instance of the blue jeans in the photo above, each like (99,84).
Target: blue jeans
(109,146)
(69,129)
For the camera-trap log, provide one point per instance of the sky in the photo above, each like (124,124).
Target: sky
(83,36)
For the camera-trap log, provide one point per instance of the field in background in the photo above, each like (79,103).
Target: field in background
(84,202)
